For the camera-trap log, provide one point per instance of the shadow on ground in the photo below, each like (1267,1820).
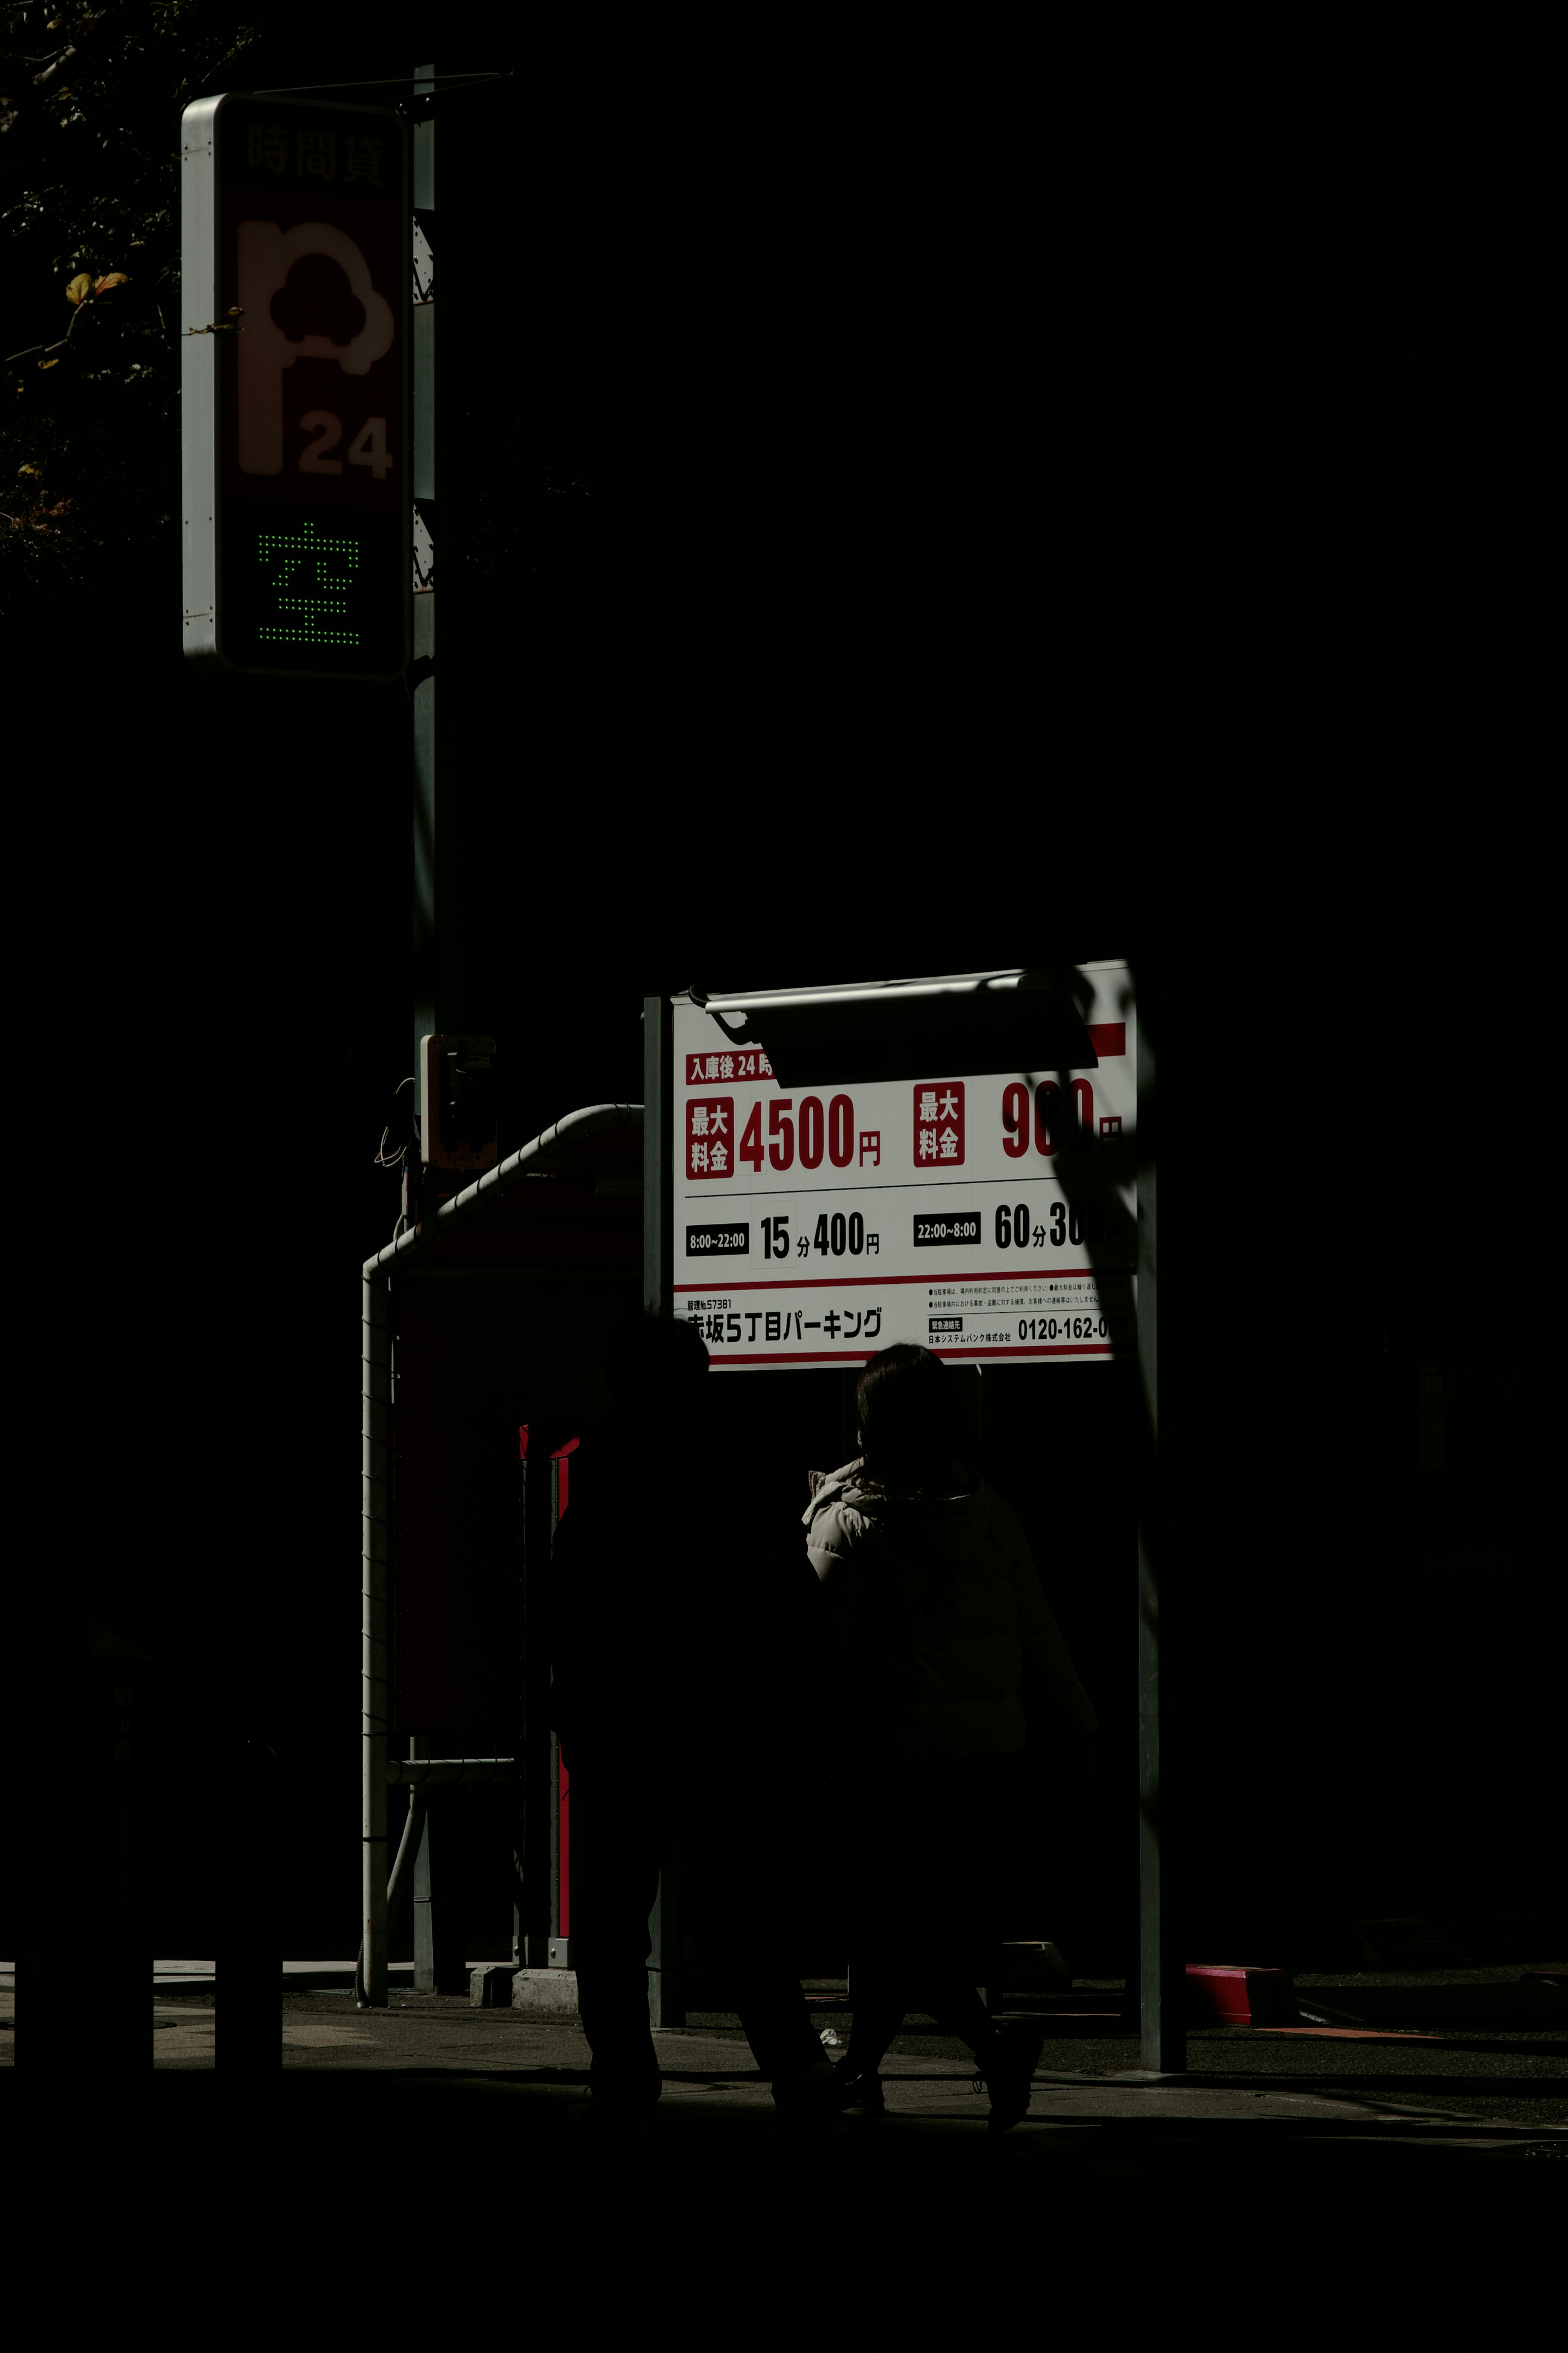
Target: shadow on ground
(477,2195)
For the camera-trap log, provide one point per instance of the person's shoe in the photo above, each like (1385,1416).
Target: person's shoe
(807,2101)
(1009,2075)
(859,2087)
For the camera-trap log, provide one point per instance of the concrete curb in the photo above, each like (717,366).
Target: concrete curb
(545,1993)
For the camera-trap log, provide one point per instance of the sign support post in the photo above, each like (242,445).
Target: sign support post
(433,864)
(659,1129)
(1162,1971)
(666,1990)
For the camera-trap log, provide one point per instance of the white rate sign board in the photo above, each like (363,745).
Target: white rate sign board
(817,1227)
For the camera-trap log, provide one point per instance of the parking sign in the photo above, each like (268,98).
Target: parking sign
(298,489)
(988,1214)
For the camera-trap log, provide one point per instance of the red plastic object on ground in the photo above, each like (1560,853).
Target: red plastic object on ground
(1237,1996)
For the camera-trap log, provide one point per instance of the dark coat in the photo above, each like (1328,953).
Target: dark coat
(946,1645)
(688,1639)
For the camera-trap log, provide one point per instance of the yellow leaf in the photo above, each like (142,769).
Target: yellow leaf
(29,470)
(48,363)
(115,278)
(80,288)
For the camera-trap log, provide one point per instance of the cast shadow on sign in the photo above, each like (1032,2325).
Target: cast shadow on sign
(1035,1026)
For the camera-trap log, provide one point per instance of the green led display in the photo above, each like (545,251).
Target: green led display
(321,592)
(304,548)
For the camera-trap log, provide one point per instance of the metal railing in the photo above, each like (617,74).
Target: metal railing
(378,1772)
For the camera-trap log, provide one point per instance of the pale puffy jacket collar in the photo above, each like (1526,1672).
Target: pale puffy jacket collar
(831,1489)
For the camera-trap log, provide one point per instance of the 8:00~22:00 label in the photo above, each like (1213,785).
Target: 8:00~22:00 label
(705,1241)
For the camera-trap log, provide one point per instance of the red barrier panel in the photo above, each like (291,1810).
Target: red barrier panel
(1239,1995)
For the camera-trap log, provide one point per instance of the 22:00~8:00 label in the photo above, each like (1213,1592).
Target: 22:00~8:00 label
(704,1241)
(936,1232)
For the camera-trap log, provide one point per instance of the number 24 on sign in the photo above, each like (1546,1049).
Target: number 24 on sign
(368,447)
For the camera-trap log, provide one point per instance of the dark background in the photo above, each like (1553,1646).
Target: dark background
(939,489)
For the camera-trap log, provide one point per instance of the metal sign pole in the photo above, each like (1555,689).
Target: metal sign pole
(430,1015)
(1161,1962)
(666,1991)
(535,1742)
(375,1494)
(659,1130)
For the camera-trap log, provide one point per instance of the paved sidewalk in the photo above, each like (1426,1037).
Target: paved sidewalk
(437,2161)
(712,2067)
(1240,2075)
(1510,2084)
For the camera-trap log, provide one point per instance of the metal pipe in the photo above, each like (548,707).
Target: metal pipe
(375,1399)
(377,1773)
(398,1882)
(517,1165)
(1161,1970)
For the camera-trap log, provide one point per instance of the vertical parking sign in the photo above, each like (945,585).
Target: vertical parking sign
(297,483)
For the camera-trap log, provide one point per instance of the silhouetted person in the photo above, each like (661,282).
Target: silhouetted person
(948,1661)
(667,1723)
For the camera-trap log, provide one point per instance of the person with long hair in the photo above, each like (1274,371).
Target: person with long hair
(948,1662)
